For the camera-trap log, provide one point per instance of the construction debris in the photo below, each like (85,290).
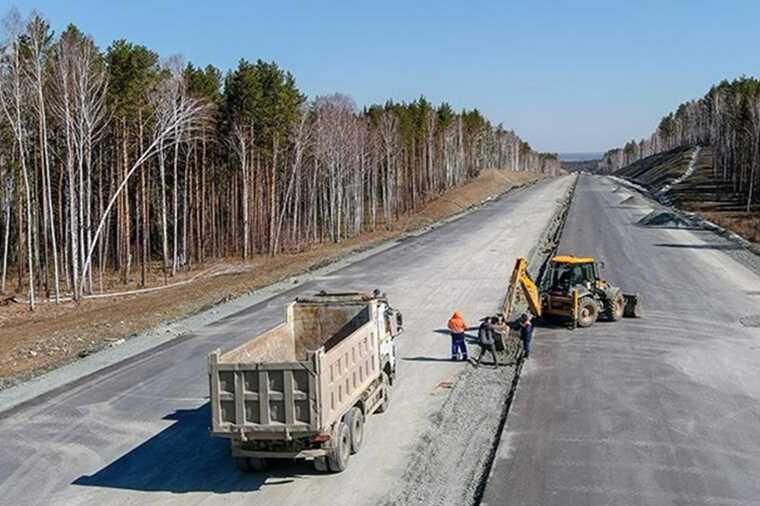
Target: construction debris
(750,321)
(665,218)
(635,201)
(5,301)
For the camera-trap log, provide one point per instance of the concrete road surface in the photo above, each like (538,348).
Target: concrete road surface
(660,410)
(137,433)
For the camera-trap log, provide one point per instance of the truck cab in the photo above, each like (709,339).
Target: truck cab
(391,325)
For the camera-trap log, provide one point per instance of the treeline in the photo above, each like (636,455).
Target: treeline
(726,118)
(119,160)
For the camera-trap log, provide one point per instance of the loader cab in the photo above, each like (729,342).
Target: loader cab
(568,272)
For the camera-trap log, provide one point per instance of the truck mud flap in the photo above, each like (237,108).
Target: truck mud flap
(632,307)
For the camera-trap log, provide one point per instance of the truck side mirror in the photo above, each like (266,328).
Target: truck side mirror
(395,322)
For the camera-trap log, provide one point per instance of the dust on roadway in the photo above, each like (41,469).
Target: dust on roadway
(138,432)
(658,410)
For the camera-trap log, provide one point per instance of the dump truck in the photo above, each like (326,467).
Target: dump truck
(303,389)
(572,290)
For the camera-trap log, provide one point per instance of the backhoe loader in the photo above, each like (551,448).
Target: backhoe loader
(572,291)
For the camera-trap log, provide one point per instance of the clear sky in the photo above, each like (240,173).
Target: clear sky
(567,76)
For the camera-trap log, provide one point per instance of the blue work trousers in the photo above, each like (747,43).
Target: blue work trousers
(458,346)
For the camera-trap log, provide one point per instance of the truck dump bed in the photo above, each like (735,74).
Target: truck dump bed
(300,376)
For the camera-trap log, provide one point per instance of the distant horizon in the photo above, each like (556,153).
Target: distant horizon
(580,156)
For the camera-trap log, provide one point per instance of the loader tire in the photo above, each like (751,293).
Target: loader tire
(337,459)
(588,312)
(355,422)
(616,308)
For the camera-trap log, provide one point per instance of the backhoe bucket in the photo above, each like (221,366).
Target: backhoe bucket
(632,307)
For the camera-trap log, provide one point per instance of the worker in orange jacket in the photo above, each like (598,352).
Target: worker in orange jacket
(457,327)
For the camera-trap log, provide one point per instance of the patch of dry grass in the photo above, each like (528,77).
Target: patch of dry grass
(745,224)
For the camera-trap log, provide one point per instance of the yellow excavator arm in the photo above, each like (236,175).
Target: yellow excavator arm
(521,278)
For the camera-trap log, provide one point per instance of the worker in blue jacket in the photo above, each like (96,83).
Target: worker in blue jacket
(525,326)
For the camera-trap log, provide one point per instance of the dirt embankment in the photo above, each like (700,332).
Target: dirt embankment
(700,192)
(31,343)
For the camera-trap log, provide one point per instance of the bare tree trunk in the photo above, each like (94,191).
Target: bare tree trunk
(184,255)
(36,40)
(28,194)
(175,208)
(145,236)
(6,240)
(164,231)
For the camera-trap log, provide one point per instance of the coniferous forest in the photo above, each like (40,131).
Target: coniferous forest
(727,118)
(118,160)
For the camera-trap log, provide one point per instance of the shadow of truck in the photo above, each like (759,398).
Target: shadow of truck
(184,458)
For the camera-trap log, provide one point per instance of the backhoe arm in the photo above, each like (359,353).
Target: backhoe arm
(521,278)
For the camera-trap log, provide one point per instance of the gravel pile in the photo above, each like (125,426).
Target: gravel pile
(750,321)
(635,201)
(665,218)
(452,454)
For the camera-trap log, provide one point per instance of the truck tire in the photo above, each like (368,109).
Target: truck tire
(337,459)
(243,464)
(258,464)
(355,422)
(251,464)
(588,312)
(320,464)
(386,394)
(616,308)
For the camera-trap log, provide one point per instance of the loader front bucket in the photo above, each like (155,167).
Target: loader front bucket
(632,307)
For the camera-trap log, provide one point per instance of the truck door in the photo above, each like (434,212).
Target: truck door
(388,323)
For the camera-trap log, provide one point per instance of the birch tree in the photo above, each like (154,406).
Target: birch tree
(38,39)
(104,154)
(173,112)
(14,98)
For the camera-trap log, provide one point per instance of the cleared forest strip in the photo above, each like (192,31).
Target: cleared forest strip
(57,334)
(666,176)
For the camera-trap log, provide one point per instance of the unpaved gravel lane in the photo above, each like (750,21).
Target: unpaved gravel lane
(138,432)
(659,410)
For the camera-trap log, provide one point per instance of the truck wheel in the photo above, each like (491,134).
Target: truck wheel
(320,464)
(386,394)
(337,459)
(355,422)
(243,464)
(615,310)
(249,464)
(258,464)
(588,312)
